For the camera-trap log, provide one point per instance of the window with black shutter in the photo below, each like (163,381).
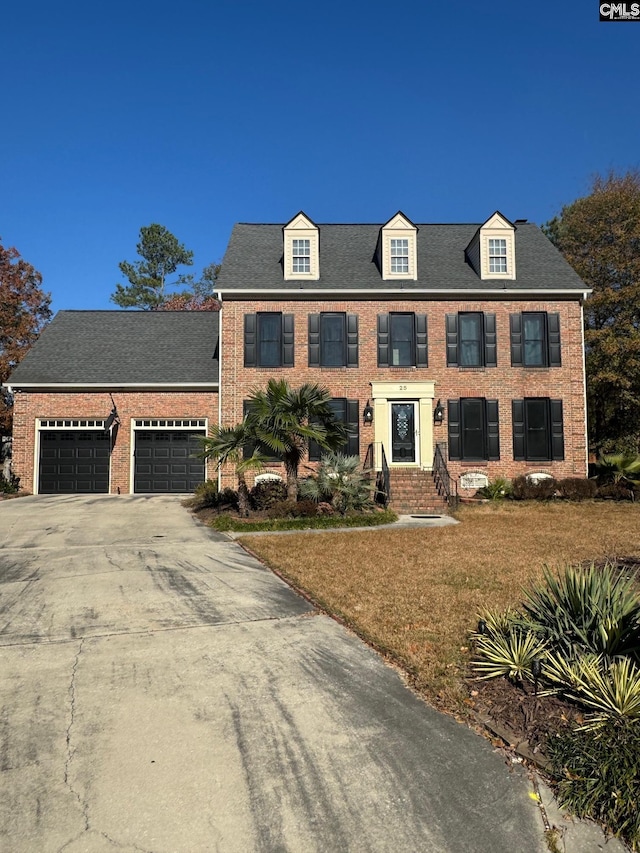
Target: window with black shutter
(471,339)
(538,432)
(333,340)
(535,339)
(402,340)
(268,339)
(474,433)
(346,412)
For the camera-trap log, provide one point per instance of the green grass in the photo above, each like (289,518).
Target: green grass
(226,522)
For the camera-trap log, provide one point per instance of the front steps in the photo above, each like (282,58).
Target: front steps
(413,492)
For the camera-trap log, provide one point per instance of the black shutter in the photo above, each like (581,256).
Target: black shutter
(287,340)
(250,348)
(314,340)
(515,322)
(453,419)
(452,342)
(383,340)
(553,328)
(422,349)
(517,419)
(353,425)
(493,430)
(490,346)
(352,340)
(557,431)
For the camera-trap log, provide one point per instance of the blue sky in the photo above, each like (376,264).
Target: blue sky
(199,114)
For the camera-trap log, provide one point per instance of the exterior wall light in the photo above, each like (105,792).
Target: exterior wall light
(367,414)
(438,413)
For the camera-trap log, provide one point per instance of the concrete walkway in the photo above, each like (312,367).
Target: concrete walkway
(163,692)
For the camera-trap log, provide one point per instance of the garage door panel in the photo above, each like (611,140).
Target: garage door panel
(73,461)
(164,461)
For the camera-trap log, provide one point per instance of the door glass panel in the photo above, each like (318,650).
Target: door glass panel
(403,432)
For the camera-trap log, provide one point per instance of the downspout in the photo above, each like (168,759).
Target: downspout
(584,385)
(220,385)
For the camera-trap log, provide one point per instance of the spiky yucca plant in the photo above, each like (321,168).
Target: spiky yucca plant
(511,655)
(586,610)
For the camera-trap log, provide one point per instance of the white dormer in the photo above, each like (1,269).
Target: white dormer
(492,252)
(397,249)
(301,249)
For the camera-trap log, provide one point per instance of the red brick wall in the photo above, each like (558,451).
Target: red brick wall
(503,382)
(97,405)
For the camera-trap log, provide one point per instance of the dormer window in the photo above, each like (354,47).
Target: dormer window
(301,256)
(492,251)
(400,256)
(301,249)
(397,249)
(497,255)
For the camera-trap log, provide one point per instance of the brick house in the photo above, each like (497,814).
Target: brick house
(466,338)
(155,372)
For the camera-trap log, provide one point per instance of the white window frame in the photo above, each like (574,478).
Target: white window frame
(497,252)
(399,254)
(301,255)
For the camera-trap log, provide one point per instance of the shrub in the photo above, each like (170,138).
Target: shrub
(597,773)
(205,495)
(586,610)
(267,493)
(306,509)
(577,488)
(283,509)
(10,486)
(511,654)
(615,492)
(525,489)
(496,490)
(340,481)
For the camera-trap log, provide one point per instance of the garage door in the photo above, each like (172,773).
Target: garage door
(74,461)
(164,463)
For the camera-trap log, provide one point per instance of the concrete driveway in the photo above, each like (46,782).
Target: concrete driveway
(162,691)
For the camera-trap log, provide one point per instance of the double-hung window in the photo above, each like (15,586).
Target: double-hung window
(471,339)
(497,255)
(474,433)
(538,432)
(301,255)
(268,339)
(402,340)
(535,339)
(399,255)
(333,339)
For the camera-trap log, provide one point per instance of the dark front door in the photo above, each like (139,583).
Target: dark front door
(165,462)
(403,432)
(74,462)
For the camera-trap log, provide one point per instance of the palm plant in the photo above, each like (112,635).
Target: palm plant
(341,481)
(284,420)
(619,468)
(227,445)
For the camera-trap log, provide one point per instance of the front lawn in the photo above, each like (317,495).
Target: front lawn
(415,594)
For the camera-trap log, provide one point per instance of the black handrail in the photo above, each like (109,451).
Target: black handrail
(376,460)
(446,485)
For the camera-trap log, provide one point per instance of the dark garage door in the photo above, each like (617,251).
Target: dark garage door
(74,461)
(164,461)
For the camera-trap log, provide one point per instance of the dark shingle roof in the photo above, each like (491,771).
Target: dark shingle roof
(253,261)
(123,347)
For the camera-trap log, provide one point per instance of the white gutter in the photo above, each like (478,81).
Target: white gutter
(406,292)
(98,385)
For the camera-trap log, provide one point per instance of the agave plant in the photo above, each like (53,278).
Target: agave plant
(610,689)
(586,610)
(511,654)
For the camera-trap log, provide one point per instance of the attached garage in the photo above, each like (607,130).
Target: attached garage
(166,461)
(74,461)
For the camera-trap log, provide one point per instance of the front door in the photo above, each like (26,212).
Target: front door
(403,433)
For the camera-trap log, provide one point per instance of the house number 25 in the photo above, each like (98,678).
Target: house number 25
(402,387)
